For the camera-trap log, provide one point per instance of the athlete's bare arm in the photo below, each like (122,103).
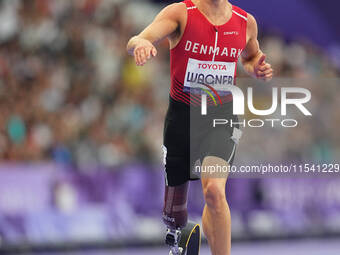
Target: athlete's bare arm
(253,59)
(168,23)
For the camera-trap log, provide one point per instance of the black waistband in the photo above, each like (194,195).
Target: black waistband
(179,107)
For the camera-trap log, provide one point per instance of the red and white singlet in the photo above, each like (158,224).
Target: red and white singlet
(206,55)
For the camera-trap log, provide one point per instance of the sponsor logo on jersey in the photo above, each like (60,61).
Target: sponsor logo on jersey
(231,33)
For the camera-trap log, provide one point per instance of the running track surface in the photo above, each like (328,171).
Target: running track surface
(308,247)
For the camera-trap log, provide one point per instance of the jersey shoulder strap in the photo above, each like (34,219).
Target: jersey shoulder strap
(241,13)
(190,5)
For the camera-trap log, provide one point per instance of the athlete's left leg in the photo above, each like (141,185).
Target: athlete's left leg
(216,218)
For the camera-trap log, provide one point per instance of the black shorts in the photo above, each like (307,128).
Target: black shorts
(189,137)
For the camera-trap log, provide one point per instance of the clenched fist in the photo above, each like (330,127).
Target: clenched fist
(263,70)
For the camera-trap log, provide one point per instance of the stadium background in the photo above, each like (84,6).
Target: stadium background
(81,130)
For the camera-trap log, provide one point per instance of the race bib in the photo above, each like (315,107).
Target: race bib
(204,74)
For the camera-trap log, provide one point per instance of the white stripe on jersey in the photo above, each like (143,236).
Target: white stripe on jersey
(243,17)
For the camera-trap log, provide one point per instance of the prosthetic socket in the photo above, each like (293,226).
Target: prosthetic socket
(175,214)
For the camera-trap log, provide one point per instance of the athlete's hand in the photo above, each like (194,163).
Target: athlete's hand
(143,51)
(263,70)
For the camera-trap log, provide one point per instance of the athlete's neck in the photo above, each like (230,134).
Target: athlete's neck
(218,3)
(214,4)
(214,8)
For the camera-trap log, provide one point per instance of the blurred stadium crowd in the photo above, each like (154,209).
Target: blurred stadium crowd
(69,93)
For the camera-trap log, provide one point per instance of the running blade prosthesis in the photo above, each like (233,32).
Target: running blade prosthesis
(186,241)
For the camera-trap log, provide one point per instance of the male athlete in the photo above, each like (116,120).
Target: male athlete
(206,38)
